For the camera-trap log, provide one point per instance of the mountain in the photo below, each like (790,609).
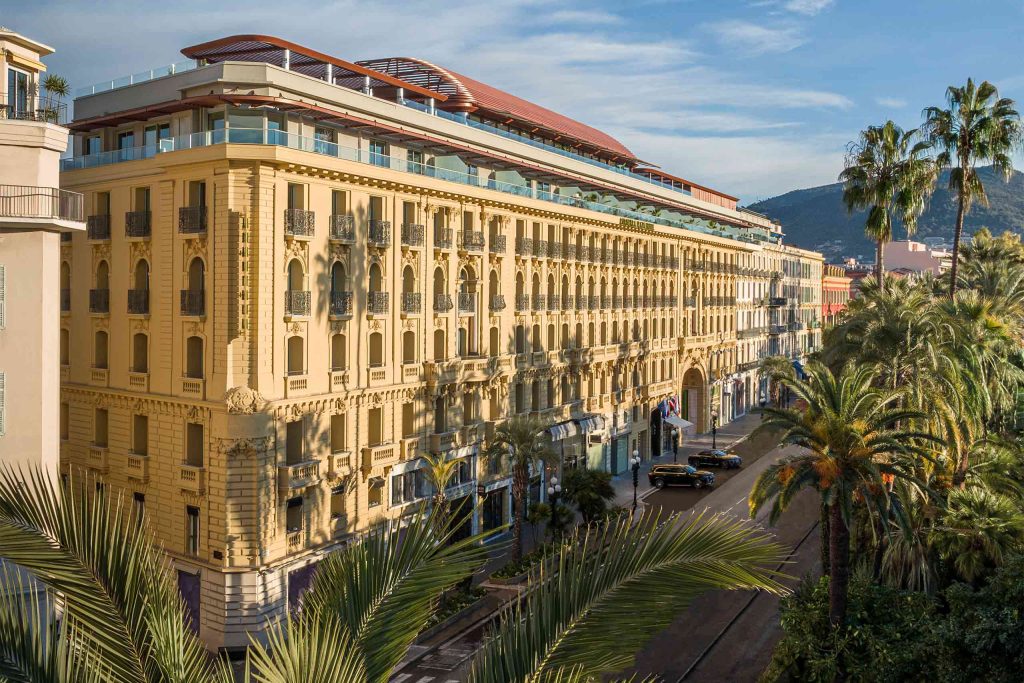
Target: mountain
(816,218)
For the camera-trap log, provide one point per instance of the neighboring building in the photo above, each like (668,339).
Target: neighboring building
(835,292)
(33,214)
(301,274)
(916,257)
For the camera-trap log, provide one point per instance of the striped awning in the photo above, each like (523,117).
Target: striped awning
(563,430)
(593,423)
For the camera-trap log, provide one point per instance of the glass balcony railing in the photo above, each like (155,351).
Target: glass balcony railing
(280,138)
(141,77)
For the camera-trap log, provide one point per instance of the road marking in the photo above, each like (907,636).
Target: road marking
(400,678)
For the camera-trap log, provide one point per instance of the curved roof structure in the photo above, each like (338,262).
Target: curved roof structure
(469,95)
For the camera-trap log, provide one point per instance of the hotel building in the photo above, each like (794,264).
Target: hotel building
(303,273)
(34,215)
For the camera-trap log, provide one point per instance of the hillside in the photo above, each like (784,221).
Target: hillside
(816,218)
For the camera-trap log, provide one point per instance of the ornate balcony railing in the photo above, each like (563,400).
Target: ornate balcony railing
(297,302)
(379,234)
(98,227)
(99,301)
(538,302)
(467,302)
(341,303)
(554,303)
(138,301)
(471,240)
(540,248)
(343,228)
(412,235)
(377,303)
(497,302)
(299,222)
(522,302)
(555,250)
(583,254)
(412,302)
(442,303)
(443,238)
(498,244)
(137,224)
(192,220)
(193,302)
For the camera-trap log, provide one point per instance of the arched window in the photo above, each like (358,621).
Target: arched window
(296,276)
(520,287)
(495,341)
(103,275)
(141,283)
(440,416)
(100,350)
(339,359)
(492,285)
(140,352)
(65,275)
(194,357)
(408,280)
(440,345)
(376,278)
(376,349)
(338,277)
(196,275)
(296,355)
(65,346)
(408,346)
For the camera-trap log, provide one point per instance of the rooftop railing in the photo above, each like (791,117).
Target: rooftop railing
(292,141)
(33,108)
(29,201)
(141,77)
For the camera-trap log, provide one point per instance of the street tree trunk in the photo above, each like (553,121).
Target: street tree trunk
(519,477)
(839,561)
(961,211)
(826,548)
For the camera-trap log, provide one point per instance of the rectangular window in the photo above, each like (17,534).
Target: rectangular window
(415,161)
(338,502)
(65,416)
(376,208)
(141,199)
(338,435)
(293,443)
(339,202)
(375,492)
(100,428)
(152,135)
(197,193)
(126,140)
(194,446)
(17,91)
(140,434)
(296,196)
(293,518)
(139,506)
(324,141)
(191,530)
(378,153)
(3,297)
(93,145)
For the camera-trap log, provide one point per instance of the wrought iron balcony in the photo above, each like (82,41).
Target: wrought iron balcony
(522,302)
(553,302)
(555,250)
(775,301)
(540,248)
(98,227)
(471,240)
(467,302)
(497,302)
(538,302)
(99,301)
(442,303)
(583,254)
(192,220)
(379,233)
(581,302)
(299,222)
(570,252)
(593,302)
(497,244)
(343,228)
(341,303)
(41,108)
(137,223)
(524,246)
(377,303)
(65,300)
(193,302)
(606,301)
(138,301)
(412,302)
(412,235)
(297,302)
(443,238)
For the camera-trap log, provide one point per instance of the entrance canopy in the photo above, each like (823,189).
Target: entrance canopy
(593,423)
(677,422)
(563,430)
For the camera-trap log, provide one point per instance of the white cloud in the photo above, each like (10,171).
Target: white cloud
(808,7)
(891,102)
(580,17)
(756,39)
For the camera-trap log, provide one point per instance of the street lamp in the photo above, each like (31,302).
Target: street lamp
(714,428)
(635,462)
(554,488)
(763,402)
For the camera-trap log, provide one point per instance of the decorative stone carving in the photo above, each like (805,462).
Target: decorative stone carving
(295,249)
(245,448)
(243,400)
(193,248)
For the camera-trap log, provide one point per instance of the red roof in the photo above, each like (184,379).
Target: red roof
(468,94)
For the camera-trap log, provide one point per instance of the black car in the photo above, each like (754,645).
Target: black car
(714,457)
(661,476)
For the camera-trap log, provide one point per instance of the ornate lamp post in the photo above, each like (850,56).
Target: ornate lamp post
(554,489)
(635,462)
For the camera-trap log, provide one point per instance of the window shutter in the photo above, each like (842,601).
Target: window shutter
(3,404)
(3,297)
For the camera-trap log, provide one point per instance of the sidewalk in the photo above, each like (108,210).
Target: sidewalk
(730,434)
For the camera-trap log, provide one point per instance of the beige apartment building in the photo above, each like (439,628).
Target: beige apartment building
(34,213)
(301,274)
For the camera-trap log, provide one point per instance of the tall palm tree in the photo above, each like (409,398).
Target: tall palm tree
(853,434)
(976,127)
(523,443)
(977,530)
(889,173)
(439,471)
(776,369)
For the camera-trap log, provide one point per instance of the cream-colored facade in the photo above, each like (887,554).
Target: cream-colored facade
(33,214)
(266,332)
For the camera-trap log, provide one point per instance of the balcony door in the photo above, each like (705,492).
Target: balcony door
(17,91)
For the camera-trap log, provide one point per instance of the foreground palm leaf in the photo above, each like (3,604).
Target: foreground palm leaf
(119,601)
(382,590)
(603,596)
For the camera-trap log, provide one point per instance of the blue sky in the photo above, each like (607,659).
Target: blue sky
(753,97)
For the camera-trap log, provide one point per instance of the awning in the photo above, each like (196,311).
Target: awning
(799,369)
(563,430)
(375,482)
(677,422)
(594,423)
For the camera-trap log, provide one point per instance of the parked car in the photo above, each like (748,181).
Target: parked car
(661,476)
(715,457)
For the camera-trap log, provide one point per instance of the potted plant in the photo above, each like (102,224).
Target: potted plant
(57,88)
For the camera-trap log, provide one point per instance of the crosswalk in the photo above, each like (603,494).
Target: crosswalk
(410,678)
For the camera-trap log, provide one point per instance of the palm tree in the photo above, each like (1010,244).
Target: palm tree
(852,433)
(977,530)
(523,443)
(891,176)
(603,595)
(776,369)
(439,471)
(976,127)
